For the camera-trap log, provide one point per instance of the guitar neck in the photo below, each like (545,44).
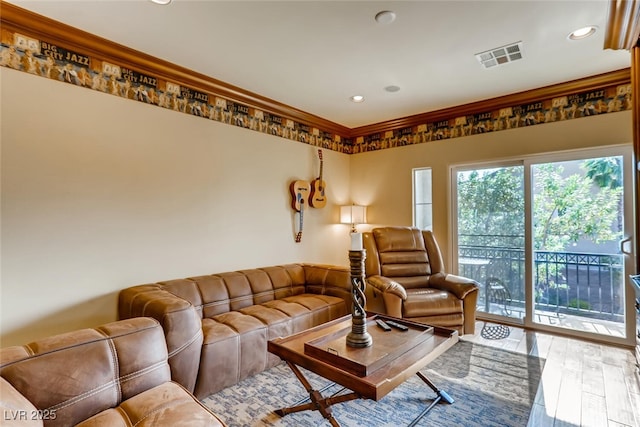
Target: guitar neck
(301,213)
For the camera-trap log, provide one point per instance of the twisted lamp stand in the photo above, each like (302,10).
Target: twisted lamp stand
(358,337)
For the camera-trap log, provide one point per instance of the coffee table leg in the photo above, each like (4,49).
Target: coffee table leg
(440,395)
(318,402)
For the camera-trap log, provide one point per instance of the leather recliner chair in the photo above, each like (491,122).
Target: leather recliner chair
(406,279)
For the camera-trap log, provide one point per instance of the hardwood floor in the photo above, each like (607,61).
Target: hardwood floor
(583,383)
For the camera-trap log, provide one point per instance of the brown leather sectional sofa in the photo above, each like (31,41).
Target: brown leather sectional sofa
(217,326)
(114,375)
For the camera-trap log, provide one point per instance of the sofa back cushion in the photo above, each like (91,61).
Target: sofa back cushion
(287,280)
(73,376)
(235,290)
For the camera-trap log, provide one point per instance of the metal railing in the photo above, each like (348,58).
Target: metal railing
(583,284)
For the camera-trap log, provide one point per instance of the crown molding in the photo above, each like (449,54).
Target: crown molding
(14,19)
(623,24)
(563,89)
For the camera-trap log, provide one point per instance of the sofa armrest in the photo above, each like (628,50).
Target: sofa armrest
(181,323)
(72,376)
(457,285)
(17,410)
(393,294)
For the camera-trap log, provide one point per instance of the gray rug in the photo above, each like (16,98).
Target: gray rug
(491,387)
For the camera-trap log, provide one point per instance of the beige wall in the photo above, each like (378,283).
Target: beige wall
(382,179)
(101,193)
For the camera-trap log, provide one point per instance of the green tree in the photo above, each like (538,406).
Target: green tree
(491,207)
(566,208)
(606,172)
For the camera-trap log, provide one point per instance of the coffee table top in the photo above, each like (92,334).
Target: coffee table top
(373,371)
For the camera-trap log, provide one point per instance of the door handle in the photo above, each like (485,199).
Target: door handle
(623,244)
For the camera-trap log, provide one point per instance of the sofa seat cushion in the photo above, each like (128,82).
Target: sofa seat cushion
(235,343)
(323,308)
(431,302)
(168,404)
(278,323)
(250,342)
(300,315)
(220,363)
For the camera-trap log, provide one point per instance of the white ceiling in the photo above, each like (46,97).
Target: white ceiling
(313,55)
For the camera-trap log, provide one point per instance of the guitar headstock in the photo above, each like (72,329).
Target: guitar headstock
(320,154)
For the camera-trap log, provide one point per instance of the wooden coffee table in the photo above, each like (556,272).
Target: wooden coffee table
(369,373)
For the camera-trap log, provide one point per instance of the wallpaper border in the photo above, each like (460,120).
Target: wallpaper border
(40,46)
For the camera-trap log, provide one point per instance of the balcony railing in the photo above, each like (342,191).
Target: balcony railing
(582,284)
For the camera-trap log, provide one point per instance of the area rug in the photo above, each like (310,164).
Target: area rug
(491,387)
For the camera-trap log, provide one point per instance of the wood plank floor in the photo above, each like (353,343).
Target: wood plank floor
(583,383)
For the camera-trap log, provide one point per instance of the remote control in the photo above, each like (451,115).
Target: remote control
(383,325)
(396,325)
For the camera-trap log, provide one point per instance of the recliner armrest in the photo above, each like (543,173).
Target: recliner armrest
(386,285)
(457,285)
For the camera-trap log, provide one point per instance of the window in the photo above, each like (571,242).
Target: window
(422,199)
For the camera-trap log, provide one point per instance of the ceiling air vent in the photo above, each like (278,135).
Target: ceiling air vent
(500,55)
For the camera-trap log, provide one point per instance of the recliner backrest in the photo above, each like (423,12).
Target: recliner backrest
(407,255)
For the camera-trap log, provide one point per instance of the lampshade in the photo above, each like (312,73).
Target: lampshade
(353,214)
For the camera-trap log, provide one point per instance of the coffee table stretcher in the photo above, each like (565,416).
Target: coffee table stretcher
(322,404)
(291,349)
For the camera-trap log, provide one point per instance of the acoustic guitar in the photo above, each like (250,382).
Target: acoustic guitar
(318,199)
(299,193)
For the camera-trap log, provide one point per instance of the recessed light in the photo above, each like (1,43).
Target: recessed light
(357,98)
(582,33)
(392,88)
(385,17)
(161,2)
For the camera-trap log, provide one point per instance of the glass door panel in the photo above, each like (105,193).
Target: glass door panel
(578,223)
(491,237)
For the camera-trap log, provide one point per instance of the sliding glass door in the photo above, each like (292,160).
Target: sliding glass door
(491,236)
(578,226)
(546,237)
